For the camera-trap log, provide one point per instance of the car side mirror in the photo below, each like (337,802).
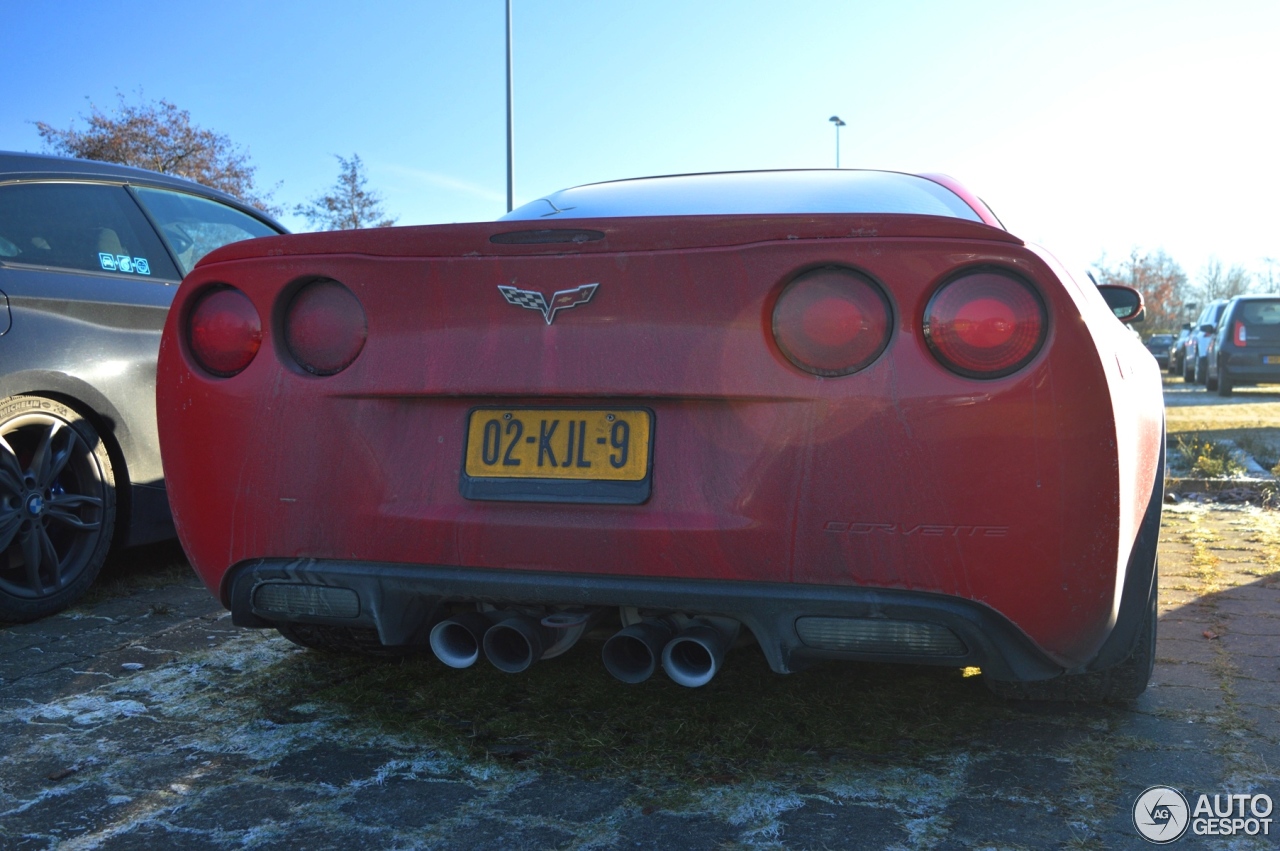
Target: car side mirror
(1207,328)
(1125,302)
(1186,326)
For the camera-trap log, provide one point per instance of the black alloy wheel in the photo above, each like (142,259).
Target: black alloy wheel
(57,506)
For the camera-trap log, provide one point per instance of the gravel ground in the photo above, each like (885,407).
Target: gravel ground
(146,720)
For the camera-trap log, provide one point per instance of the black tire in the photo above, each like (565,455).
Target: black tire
(1224,383)
(1188,371)
(342,640)
(57,507)
(1202,370)
(1210,383)
(1124,681)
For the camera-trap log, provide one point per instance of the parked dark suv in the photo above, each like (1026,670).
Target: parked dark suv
(90,254)
(1246,347)
(1196,365)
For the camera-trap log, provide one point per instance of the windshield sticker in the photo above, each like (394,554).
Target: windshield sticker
(124,263)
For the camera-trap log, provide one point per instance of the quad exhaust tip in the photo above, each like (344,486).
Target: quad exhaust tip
(694,656)
(513,642)
(457,641)
(632,654)
(691,657)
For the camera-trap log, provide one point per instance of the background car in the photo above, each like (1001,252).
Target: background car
(90,256)
(1178,351)
(1158,345)
(1246,347)
(843,413)
(1196,360)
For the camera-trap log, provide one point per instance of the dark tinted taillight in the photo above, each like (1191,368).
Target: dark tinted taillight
(325,327)
(985,324)
(223,331)
(832,321)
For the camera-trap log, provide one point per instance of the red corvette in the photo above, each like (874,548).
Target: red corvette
(843,413)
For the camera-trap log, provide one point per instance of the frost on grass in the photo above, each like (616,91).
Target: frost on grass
(756,807)
(913,791)
(84,710)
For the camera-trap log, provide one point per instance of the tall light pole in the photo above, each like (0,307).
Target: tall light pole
(835,119)
(510,121)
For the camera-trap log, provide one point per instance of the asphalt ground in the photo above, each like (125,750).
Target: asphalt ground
(142,719)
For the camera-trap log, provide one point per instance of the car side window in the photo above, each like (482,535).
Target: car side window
(88,227)
(194,226)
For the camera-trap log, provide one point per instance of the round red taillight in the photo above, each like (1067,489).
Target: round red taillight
(832,321)
(325,327)
(985,324)
(224,331)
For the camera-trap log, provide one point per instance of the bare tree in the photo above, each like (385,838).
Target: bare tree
(1215,282)
(1267,278)
(159,136)
(1161,281)
(349,205)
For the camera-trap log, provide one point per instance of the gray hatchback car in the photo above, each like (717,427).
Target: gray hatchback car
(89,256)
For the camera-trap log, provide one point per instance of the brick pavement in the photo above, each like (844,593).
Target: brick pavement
(141,721)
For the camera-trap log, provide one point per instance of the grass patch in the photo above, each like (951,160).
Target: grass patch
(1206,458)
(1263,449)
(747,724)
(1093,779)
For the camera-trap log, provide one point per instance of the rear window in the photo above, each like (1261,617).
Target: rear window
(194,226)
(754,193)
(1259,313)
(88,227)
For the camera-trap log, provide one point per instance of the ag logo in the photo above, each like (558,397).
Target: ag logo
(1161,815)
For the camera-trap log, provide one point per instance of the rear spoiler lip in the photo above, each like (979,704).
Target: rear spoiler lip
(646,233)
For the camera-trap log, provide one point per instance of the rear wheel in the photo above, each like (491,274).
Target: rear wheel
(1224,383)
(57,506)
(1188,370)
(1124,681)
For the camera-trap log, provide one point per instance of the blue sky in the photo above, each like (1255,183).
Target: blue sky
(1088,126)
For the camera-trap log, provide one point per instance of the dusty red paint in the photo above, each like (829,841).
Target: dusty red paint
(1023,492)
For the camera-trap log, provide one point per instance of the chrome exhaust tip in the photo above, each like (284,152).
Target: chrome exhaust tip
(632,654)
(456,641)
(512,645)
(694,656)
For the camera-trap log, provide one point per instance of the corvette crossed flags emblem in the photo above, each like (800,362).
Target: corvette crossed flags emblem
(560,300)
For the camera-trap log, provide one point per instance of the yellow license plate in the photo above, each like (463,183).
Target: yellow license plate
(559,443)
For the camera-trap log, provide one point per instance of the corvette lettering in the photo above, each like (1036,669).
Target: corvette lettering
(560,300)
(928,530)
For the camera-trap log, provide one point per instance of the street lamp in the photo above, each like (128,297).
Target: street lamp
(510,142)
(835,119)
